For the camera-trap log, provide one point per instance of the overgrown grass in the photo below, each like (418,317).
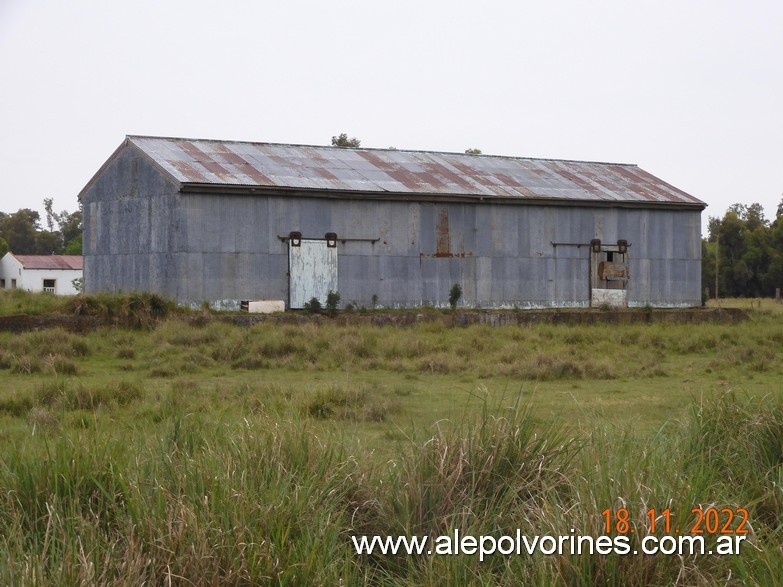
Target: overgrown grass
(762,305)
(142,310)
(20,301)
(541,353)
(264,500)
(216,454)
(130,310)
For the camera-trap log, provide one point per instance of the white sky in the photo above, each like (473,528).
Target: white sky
(690,91)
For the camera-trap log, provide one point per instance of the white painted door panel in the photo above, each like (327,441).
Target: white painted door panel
(312,268)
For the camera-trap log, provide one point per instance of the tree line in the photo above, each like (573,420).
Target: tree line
(749,251)
(21,232)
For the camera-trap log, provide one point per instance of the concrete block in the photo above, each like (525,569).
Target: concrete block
(266,306)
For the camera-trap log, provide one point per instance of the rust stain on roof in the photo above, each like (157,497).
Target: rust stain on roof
(187,170)
(233,159)
(425,173)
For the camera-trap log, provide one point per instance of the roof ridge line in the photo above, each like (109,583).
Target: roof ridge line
(381,149)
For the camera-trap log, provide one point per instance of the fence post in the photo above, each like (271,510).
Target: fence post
(777,295)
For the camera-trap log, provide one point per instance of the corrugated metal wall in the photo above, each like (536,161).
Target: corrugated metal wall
(141,234)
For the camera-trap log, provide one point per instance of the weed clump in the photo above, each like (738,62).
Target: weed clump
(332,303)
(26,365)
(125,352)
(138,310)
(39,418)
(53,341)
(15,405)
(455,293)
(63,395)
(351,403)
(59,365)
(313,306)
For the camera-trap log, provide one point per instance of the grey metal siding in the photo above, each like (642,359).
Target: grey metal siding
(142,234)
(131,220)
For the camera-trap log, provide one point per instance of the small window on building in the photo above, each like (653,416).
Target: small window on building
(48,285)
(2,283)
(13,284)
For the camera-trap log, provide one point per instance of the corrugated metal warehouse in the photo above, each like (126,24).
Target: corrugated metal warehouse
(225,221)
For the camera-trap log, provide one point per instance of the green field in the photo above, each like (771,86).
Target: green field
(217,454)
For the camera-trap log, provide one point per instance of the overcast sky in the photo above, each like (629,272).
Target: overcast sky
(690,91)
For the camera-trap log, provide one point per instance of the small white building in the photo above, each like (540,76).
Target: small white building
(37,273)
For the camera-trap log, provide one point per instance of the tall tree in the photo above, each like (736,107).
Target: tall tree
(749,249)
(53,218)
(71,231)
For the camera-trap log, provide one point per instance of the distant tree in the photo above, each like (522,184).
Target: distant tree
(342,140)
(738,209)
(749,249)
(23,234)
(708,266)
(3,247)
(752,215)
(779,211)
(74,246)
(50,214)
(733,274)
(19,231)
(71,230)
(48,243)
(52,217)
(773,277)
(473,151)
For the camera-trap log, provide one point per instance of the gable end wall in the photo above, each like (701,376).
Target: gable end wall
(132,227)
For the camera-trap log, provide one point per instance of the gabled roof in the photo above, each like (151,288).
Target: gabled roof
(233,164)
(73,262)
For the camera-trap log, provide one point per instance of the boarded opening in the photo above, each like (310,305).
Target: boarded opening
(312,269)
(608,275)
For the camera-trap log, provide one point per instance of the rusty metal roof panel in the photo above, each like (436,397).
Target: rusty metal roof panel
(303,167)
(64,262)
